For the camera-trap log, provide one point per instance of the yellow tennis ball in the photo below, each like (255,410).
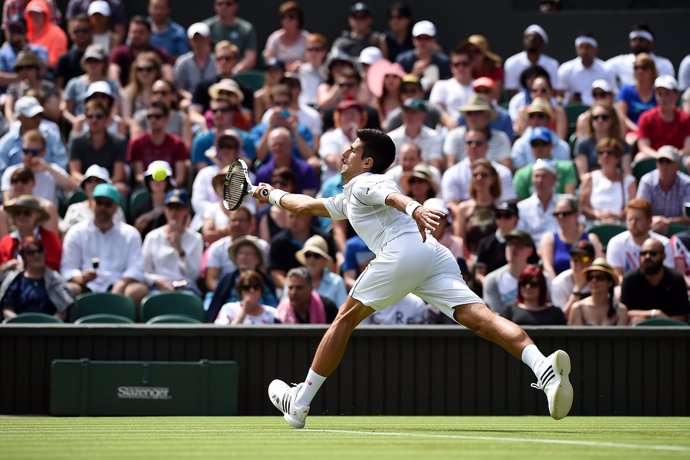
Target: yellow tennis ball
(159,174)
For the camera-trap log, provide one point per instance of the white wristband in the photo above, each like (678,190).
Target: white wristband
(411,206)
(275,196)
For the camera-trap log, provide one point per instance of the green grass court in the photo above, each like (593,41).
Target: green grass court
(344,437)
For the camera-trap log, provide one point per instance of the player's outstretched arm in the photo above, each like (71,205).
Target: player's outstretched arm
(424,217)
(296,203)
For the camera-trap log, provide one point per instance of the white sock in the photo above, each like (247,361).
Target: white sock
(534,359)
(311,386)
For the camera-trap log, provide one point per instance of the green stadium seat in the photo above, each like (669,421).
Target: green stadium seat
(642,167)
(136,199)
(32,318)
(172,303)
(105,302)
(661,322)
(674,228)
(173,319)
(253,79)
(103,318)
(607,231)
(572,111)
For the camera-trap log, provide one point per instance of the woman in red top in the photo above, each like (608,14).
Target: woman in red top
(27,216)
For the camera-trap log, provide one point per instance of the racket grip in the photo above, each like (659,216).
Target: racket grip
(252,189)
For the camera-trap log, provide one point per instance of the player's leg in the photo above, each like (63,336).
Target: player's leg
(294,401)
(551,372)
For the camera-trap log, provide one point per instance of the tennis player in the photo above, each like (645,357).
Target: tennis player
(390,223)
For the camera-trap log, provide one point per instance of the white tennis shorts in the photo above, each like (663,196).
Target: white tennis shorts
(407,265)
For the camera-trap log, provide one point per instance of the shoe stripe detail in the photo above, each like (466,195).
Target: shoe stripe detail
(547,375)
(549,380)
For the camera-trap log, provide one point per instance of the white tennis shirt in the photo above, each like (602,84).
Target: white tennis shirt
(363,203)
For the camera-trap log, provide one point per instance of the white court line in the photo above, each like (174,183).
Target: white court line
(617,445)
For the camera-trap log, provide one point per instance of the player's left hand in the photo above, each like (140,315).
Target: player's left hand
(427,219)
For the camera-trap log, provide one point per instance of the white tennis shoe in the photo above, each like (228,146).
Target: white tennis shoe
(283,397)
(556,384)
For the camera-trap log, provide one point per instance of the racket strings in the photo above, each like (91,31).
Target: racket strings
(234,191)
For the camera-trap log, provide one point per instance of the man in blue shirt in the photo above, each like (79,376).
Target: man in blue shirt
(28,111)
(165,33)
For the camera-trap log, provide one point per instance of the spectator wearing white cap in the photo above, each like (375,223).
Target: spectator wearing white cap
(533,42)
(99,14)
(166,33)
(665,124)
(101,91)
(83,210)
(359,35)
(602,92)
(641,39)
(116,13)
(290,41)
(28,112)
(425,61)
(196,65)
(575,77)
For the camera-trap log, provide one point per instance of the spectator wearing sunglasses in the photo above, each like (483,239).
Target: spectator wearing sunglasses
(605,191)
(571,285)
(29,71)
(602,93)
(249,309)
(289,42)
(532,307)
(49,176)
(227,25)
(554,247)
(601,307)
(35,288)
(69,65)
(314,256)
(653,289)
(539,115)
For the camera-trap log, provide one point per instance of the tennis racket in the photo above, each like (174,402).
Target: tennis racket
(238,185)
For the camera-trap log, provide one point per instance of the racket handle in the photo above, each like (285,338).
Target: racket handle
(253,188)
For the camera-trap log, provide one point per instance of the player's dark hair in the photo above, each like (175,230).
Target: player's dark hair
(379,147)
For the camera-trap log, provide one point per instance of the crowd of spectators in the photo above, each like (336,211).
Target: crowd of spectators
(528,158)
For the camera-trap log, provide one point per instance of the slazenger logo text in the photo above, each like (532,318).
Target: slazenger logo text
(143,393)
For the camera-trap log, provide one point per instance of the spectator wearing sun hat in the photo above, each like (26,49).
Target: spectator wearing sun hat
(534,39)
(314,256)
(539,115)
(28,216)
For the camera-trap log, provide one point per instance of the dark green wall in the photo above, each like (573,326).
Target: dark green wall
(431,370)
